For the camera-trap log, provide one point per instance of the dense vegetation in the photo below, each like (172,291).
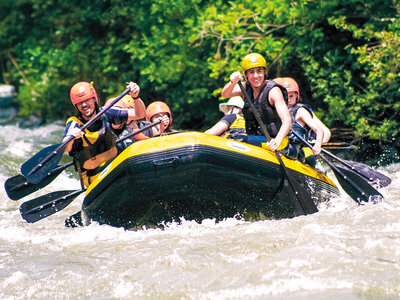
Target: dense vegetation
(345,54)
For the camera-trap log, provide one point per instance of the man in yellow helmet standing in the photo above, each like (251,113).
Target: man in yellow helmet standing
(269,98)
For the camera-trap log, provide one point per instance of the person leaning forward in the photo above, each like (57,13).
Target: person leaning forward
(269,98)
(95,147)
(232,125)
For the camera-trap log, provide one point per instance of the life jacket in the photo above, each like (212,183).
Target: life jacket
(266,111)
(96,146)
(302,131)
(237,130)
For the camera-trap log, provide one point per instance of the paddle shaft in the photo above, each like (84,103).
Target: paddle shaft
(65,143)
(338,146)
(278,156)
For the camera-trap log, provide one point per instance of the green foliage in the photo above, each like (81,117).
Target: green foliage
(344,54)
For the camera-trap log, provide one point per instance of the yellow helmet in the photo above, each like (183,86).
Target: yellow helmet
(253,60)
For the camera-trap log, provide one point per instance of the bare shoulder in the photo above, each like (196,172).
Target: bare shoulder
(275,94)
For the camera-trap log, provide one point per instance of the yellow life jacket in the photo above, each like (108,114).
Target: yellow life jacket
(94,148)
(238,127)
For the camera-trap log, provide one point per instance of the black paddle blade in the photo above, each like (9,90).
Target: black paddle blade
(300,199)
(376,178)
(35,163)
(75,220)
(44,206)
(18,186)
(355,186)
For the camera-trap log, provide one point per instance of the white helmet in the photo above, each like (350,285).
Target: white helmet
(234,101)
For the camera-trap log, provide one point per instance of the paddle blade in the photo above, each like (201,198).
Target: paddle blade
(18,186)
(356,187)
(44,206)
(301,199)
(376,178)
(75,220)
(35,163)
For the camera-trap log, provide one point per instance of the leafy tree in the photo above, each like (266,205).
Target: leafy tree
(343,54)
(335,50)
(109,42)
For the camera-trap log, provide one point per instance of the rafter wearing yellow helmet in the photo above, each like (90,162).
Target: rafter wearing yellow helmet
(269,99)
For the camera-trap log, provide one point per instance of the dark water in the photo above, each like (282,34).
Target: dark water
(345,251)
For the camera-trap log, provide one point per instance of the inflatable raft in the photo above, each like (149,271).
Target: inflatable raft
(196,176)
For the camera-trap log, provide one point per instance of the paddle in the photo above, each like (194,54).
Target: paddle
(299,197)
(46,205)
(338,146)
(363,170)
(374,177)
(355,186)
(75,220)
(36,168)
(18,187)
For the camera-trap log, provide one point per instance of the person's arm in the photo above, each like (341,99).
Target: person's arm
(276,99)
(232,89)
(304,117)
(218,128)
(327,132)
(139,110)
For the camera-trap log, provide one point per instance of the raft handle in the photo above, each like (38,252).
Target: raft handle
(167,162)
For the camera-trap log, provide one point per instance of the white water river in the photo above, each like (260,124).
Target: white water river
(345,251)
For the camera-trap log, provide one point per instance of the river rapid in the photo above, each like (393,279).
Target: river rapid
(344,251)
